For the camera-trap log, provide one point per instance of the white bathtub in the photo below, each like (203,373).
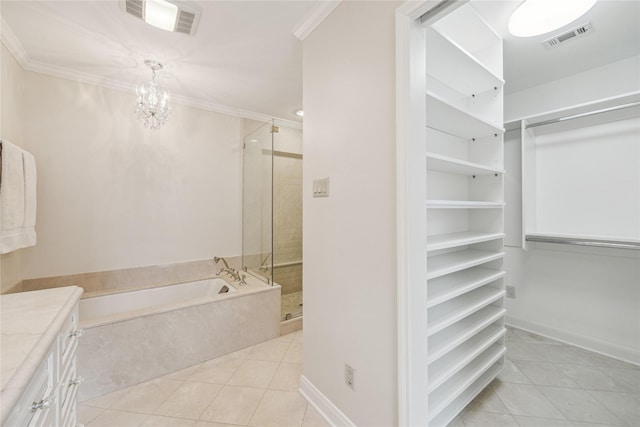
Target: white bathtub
(135,336)
(109,308)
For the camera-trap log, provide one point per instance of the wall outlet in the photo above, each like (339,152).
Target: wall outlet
(511,291)
(349,374)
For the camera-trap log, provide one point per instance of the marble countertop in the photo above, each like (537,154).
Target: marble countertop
(30,323)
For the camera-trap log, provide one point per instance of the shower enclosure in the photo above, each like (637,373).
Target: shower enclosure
(272,209)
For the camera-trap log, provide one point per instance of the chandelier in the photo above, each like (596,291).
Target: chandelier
(153,100)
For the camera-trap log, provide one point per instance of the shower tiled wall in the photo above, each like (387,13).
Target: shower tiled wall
(287,221)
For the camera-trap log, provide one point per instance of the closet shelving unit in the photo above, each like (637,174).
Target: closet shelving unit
(551,193)
(464,211)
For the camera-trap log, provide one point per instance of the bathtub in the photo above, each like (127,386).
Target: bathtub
(132,337)
(108,308)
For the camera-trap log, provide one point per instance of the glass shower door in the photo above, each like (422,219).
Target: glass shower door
(257,202)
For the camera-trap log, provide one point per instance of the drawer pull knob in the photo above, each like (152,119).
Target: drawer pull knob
(76,381)
(76,333)
(43,404)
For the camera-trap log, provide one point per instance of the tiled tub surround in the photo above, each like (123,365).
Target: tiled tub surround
(113,281)
(121,350)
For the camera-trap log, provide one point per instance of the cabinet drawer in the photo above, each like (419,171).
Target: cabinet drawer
(69,337)
(68,411)
(44,418)
(68,389)
(37,403)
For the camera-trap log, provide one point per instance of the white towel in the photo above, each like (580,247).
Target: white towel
(28,237)
(11,198)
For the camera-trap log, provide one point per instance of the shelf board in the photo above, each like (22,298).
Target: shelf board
(446,340)
(440,398)
(440,265)
(440,163)
(449,412)
(463,204)
(450,286)
(453,240)
(458,69)
(460,357)
(444,116)
(456,309)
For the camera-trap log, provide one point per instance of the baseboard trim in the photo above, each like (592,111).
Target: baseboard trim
(625,354)
(324,406)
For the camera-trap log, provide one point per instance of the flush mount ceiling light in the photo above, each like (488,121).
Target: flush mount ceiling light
(300,113)
(153,100)
(535,17)
(160,14)
(167,15)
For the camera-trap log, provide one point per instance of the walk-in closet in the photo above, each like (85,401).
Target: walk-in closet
(522,202)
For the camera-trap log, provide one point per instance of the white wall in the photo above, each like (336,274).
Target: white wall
(607,81)
(11,113)
(114,195)
(349,237)
(590,297)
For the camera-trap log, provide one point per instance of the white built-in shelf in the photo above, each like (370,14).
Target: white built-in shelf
(472,33)
(457,68)
(440,163)
(454,240)
(465,291)
(451,285)
(446,314)
(443,342)
(446,117)
(463,204)
(440,398)
(446,367)
(440,265)
(447,413)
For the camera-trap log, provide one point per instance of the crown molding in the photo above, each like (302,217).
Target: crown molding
(14,46)
(12,43)
(314,18)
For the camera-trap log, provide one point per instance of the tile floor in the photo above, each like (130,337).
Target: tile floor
(544,384)
(257,386)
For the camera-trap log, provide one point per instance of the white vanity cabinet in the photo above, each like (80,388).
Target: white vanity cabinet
(69,381)
(40,340)
(37,406)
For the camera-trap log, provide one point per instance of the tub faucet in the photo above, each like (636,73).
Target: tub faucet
(231,272)
(216,259)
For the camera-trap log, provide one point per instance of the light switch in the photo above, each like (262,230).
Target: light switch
(321,187)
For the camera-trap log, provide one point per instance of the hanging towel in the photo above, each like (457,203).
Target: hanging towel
(11,198)
(28,236)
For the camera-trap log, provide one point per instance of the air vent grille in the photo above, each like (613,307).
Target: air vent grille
(135,7)
(568,35)
(186,22)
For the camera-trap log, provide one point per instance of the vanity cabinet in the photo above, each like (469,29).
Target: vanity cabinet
(41,384)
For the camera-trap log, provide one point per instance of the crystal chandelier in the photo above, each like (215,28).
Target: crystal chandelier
(153,100)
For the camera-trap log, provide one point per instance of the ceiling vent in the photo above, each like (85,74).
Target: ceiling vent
(568,35)
(186,19)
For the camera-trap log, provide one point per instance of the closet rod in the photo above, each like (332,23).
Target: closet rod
(587,114)
(438,9)
(615,244)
